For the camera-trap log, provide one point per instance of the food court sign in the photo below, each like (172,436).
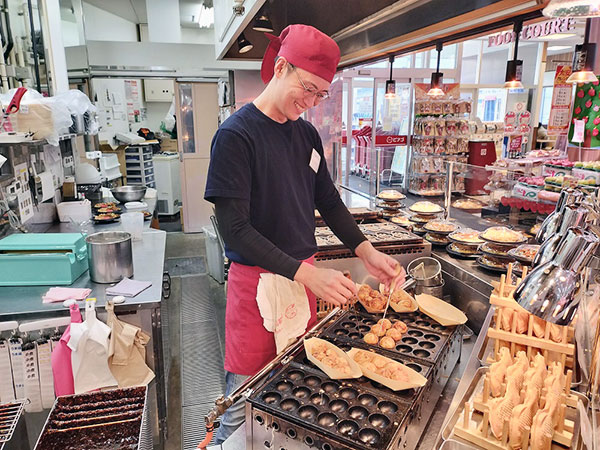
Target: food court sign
(534,31)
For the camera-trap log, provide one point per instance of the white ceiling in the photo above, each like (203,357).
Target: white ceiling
(135,10)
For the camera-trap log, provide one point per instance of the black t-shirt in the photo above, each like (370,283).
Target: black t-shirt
(257,159)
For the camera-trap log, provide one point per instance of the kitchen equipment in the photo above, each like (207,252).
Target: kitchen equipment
(110,256)
(115,418)
(436,291)
(129,193)
(133,223)
(552,223)
(426,271)
(78,212)
(35,259)
(298,407)
(168,182)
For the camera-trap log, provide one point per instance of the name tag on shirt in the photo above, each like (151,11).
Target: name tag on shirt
(315,160)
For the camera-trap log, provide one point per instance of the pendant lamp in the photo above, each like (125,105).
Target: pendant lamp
(244,45)
(514,67)
(390,85)
(583,60)
(572,8)
(435,89)
(263,23)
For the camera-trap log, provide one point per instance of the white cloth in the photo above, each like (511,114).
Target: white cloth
(89,352)
(283,305)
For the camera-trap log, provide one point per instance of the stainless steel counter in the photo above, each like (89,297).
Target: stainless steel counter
(24,303)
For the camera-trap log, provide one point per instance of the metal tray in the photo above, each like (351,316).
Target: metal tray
(144,435)
(491,268)
(461,255)
(10,413)
(475,387)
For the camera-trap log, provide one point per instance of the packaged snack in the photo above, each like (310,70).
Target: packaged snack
(440,127)
(451,145)
(451,126)
(440,145)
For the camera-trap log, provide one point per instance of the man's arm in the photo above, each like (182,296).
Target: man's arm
(233,216)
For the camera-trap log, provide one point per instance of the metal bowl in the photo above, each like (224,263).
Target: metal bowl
(128,193)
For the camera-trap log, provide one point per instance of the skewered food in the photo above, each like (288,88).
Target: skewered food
(371,298)
(371,338)
(378,330)
(399,325)
(394,333)
(385,323)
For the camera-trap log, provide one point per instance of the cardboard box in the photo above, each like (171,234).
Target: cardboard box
(168,145)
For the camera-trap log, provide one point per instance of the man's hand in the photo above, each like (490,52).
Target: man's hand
(328,284)
(383,267)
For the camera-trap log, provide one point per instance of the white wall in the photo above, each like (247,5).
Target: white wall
(101,25)
(70,33)
(198,36)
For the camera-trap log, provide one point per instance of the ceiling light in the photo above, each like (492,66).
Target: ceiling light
(555,48)
(583,60)
(244,45)
(514,67)
(206,17)
(390,85)
(572,8)
(435,89)
(263,23)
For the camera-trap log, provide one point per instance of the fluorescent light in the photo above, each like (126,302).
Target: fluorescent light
(554,48)
(206,17)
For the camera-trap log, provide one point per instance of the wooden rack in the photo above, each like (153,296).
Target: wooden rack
(502,297)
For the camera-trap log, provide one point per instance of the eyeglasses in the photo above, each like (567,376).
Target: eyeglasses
(310,92)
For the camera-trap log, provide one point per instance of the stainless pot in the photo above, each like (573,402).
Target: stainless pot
(110,256)
(430,274)
(436,291)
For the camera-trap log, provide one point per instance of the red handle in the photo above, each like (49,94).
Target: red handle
(15,103)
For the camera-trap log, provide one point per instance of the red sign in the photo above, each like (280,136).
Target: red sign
(390,140)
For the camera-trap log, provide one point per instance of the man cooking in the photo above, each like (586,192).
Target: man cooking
(267,175)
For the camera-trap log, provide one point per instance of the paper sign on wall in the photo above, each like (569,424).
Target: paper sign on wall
(579,131)
(558,122)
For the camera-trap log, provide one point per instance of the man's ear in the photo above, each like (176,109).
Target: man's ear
(280,67)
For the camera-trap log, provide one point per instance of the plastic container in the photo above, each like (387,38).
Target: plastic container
(133,223)
(74,211)
(215,255)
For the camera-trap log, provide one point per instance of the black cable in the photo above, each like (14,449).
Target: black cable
(35,56)
(10,43)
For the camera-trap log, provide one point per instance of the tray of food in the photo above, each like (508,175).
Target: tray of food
(391,334)
(426,207)
(492,263)
(439,226)
(374,301)
(495,250)
(420,219)
(503,235)
(401,220)
(462,250)
(147,215)
(466,236)
(468,205)
(437,239)
(101,218)
(391,195)
(524,253)
(504,407)
(390,206)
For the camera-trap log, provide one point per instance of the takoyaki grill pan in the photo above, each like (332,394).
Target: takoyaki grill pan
(350,414)
(418,342)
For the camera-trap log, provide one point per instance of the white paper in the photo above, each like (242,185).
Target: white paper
(44,350)
(32,381)
(16,361)
(315,160)
(47,183)
(2,160)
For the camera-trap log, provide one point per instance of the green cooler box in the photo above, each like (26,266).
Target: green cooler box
(35,259)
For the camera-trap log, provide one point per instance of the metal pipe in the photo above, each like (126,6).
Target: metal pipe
(36,63)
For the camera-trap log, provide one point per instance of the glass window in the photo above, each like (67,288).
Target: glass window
(420,60)
(447,57)
(186,113)
(400,62)
(546,104)
(491,104)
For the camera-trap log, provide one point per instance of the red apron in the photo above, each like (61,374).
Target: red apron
(248,345)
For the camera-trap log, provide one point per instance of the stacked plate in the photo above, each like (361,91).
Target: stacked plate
(464,243)
(106,212)
(424,212)
(390,201)
(499,241)
(438,231)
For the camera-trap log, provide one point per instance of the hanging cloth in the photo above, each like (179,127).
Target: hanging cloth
(62,370)
(127,351)
(89,352)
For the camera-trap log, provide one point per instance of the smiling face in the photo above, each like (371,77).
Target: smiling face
(290,97)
